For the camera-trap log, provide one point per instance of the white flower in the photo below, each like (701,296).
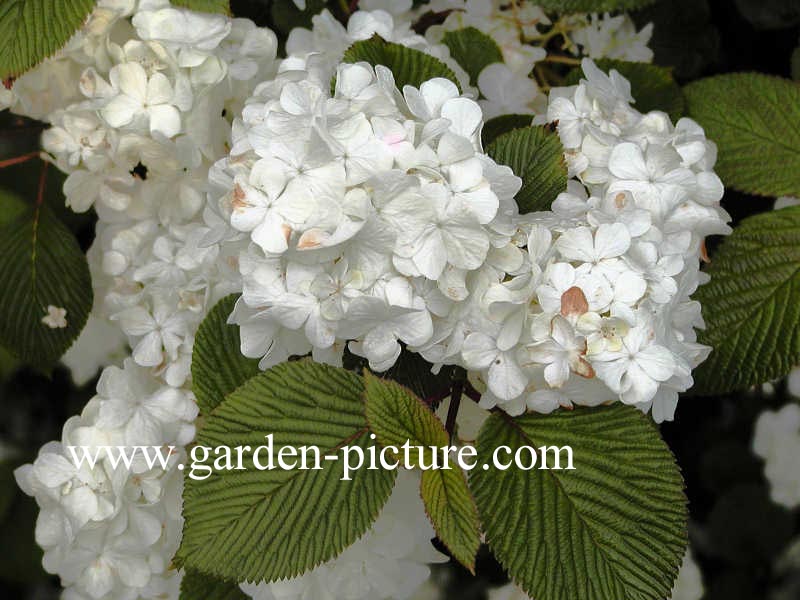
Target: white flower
(380,323)
(367,217)
(563,353)
(505,377)
(56,317)
(647,174)
(141,101)
(155,332)
(506,92)
(99,344)
(635,371)
(444,233)
(142,410)
(194,34)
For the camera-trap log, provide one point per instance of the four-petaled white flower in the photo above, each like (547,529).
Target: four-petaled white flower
(141,101)
(56,317)
(636,369)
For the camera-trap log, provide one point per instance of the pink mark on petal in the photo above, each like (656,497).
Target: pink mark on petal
(583,368)
(239,195)
(573,302)
(312,238)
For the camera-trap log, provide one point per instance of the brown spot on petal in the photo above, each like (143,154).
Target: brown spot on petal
(619,200)
(573,302)
(584,369)
(239,195)
(704,252)
(310,239)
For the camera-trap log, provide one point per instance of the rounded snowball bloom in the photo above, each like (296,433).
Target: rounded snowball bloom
(367,210)
(619,263)
(109,531)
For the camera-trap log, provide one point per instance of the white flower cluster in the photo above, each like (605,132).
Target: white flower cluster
(370,214)
(607,36)
(520,29)
(328,39)
(505,87)
(374,218)
(136,102)
(110,533)
(619,265)
(777,441)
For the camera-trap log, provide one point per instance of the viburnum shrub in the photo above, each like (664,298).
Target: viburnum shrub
(494,209)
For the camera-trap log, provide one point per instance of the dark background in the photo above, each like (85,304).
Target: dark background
(737,533)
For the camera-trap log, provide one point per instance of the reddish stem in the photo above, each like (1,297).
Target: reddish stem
(10,162)
(42,182)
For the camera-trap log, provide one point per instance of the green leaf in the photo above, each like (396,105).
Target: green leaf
(473,50)
(409,66)
(581,6)
(41,265)
(32,30)
(751,306)
(210,6)
(536,155)
(197,586)
(453,513)
(755,121)
(398,417)
(11,206)
(652,87)
(272,524)
(497,126)
(8,364)
(614,527)
(218,366)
